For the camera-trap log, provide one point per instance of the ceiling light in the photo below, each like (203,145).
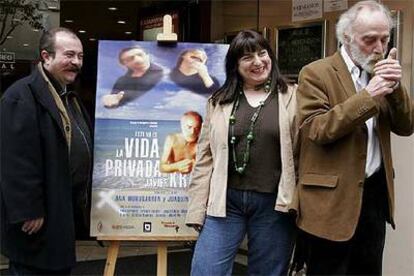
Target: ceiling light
(121,22)
(128,33)
(9,37)
(25,45)
(82,31)
(112,8)
(92,39)
(69,21)
(36,30)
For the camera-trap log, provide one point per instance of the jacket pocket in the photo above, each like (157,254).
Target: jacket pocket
(319,180)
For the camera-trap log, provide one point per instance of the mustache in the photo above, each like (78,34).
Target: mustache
(376,57)
(74,68)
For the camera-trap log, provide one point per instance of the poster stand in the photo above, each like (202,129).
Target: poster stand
(167,36)
(111,258)
(161,243)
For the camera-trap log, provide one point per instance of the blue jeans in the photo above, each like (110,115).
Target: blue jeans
(270,237)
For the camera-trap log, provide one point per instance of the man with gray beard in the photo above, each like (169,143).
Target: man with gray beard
(348,104)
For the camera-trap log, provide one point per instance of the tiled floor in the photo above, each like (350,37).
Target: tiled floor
(91,250)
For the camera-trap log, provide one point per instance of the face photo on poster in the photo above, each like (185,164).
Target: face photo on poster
(179,149)
(142,80)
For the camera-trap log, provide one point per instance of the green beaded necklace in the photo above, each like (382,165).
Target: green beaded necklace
(250,137)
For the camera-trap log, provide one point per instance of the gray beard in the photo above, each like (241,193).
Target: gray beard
(366,62)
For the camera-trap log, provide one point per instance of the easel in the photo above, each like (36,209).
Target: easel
(166,37)
(162,250)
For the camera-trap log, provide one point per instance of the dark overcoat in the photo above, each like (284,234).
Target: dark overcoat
(35,177)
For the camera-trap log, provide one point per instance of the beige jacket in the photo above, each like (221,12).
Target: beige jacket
(208,186)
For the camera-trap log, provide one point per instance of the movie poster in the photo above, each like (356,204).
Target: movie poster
(150,104)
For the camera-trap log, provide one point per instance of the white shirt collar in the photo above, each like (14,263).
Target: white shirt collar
(352,68)
(373,161)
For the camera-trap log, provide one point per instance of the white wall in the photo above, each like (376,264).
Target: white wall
(399,247)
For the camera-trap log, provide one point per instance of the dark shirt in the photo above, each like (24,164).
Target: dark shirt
(194,83)
(135,87)
(80,158)
(263,170)
(81,141)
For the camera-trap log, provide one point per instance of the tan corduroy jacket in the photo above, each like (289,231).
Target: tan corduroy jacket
(333,146)
(208,186)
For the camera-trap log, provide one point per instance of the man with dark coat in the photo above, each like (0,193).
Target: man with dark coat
(46,155)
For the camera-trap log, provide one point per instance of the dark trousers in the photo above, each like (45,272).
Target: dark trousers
(17,269)
(362,255)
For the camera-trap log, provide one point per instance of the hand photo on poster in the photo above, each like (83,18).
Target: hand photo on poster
(179,149)
(191,72)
